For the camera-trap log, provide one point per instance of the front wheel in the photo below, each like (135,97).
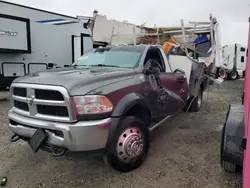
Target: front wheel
(130,145)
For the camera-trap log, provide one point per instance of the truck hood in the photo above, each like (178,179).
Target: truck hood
(78,81)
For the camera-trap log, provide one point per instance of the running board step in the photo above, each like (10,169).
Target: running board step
(155,125)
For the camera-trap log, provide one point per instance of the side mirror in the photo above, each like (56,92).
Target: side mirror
(152,66)
(50,65)
(85,25)
(147,69)
(179,71)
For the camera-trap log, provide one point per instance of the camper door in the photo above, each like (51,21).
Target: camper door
(80,45)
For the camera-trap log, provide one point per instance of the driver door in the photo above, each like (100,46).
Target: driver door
(177,88)
(176,92)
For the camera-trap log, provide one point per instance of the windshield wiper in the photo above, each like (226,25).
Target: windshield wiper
(104,65)
(79,65)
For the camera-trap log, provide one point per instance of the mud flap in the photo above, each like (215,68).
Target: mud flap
(232,135)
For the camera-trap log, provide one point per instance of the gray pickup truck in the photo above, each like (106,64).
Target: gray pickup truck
(108,100)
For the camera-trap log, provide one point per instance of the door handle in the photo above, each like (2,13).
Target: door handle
(180,79)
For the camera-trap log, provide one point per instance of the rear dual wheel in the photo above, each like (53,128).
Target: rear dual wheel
(197,102)
(130,145)
(222,73)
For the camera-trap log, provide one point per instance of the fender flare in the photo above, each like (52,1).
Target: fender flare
(122,107)
(232,134)
(127,102)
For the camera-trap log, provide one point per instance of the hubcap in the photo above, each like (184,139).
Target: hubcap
(130,145)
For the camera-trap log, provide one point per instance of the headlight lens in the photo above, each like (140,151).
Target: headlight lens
(92,104)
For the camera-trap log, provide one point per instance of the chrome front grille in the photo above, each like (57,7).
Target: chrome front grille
(22,92)
(41,101)
(21,105)
(48,95)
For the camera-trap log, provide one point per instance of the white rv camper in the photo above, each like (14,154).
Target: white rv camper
(234,59)
(33,40)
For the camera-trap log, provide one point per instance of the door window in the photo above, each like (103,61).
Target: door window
(154,54)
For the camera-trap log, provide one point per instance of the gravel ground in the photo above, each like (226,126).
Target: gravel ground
(184,153)
(3,95)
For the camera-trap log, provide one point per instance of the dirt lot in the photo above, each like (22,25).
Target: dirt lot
(184,153)
(3,95)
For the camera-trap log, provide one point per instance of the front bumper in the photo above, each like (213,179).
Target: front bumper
(78,136)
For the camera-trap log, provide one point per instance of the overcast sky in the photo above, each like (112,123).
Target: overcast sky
(231,14)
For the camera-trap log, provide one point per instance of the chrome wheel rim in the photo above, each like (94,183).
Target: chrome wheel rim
(130,145)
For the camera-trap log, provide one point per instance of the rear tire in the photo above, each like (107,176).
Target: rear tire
(129,147)
(227,166)
(197,102)
(222,74)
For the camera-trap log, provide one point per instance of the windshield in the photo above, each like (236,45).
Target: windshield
(110,57)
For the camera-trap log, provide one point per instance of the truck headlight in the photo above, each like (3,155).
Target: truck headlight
(92,104)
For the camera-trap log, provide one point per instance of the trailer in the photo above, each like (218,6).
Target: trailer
(235,148)
(33,40)
(234,60)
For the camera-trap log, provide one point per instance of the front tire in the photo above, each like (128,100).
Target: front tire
(130,145)
(229,167)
